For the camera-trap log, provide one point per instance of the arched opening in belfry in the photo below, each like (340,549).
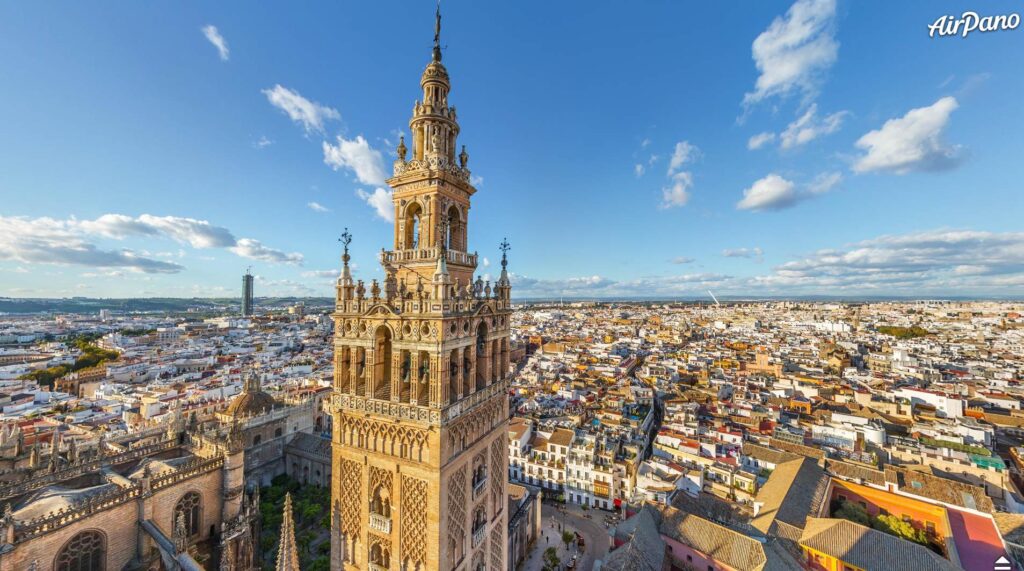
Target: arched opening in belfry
(343,369)
(405,376)
(496,372)
(413,225)
(360,365)
(453,377)
(423,382)
(483,355)
(456,239)
(382,363)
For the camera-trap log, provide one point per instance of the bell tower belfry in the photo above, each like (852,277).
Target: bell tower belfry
(421,373)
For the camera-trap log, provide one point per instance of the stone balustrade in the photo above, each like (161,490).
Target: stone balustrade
(380,523)
(478,535)
(35,482)
(428,255)
(478,488)
(340,402)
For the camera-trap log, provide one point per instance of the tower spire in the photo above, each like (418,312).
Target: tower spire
(287,552)
(437,33)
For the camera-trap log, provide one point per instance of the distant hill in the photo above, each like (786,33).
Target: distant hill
(145,305)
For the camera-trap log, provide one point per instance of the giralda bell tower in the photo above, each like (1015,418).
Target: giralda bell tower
(421,366)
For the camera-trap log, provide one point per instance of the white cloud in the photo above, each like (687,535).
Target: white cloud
(255,250)
(47,240)
(682,260)
(381,202)
(476,180)
(357,155)
(217,40)
(774,192)
(683,154)
(317,207)
(824,182)
(310,114)
(285,287)
(769,193)
(911,143)
(808,127)
(645,143)
(263,142)
(321,274)
(677,193)
(753,253)
(600,286)
(487,263)
(638,170)
(759,140)
(196,233)
(951,261)
(61,242)
(795,50)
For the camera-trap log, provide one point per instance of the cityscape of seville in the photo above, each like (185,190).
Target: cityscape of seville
(823,371)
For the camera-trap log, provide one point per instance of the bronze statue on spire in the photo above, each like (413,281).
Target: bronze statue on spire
(437,33)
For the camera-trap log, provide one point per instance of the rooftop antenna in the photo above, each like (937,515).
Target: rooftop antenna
(714,298)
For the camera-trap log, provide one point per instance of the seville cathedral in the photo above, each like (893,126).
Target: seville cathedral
(420,400)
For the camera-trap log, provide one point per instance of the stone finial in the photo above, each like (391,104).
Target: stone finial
(180,533)
(287,552)
(463,157)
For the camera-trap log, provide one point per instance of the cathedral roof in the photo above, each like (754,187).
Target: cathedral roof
(53,498)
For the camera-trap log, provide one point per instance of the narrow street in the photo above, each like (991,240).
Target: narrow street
(593,530)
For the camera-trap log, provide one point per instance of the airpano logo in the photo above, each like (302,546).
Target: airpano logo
(969,22)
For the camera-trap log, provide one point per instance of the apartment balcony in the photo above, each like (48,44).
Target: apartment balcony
(380,523)
(478,535)
(478,488)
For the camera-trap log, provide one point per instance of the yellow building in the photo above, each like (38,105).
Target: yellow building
(421,373)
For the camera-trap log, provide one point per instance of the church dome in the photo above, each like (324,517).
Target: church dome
(251,401)
(250,404)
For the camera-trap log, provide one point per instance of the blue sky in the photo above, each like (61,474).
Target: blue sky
(649,148)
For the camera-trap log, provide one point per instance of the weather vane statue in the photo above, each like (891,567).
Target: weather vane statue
(345,239)
(504,247)
(437,33)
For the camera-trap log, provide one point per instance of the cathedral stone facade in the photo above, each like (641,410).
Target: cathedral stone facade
(420,402)
(183,496)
